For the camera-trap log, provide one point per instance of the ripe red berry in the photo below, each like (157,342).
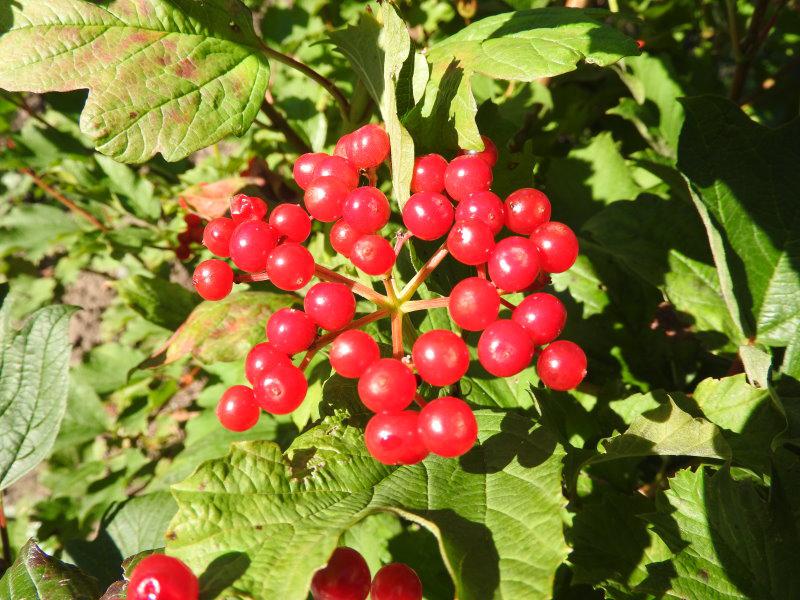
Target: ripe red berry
(281,389)
(192,220)
(184,238)
(373,254)
(366,209)
(428,215)
(352,352)
(474,303)
(558,246)
(514,263)
(291,221)
(396,581)
(251,243)
(440,357)
(331,305)
(484,206)
(290,266)
(182,252)
(247,208)
(343,237)
(339,168)
(237,409)
(488,154)
(161,577)
(213,279)
(465,175)
(505,348)
(217,236)
(368,146)
(342,146)
(304,167)
(394,439)
(324,198)
(562,365)
(542,315)
(345,577)
(526,209)
(387,385)
(428,173)
(448,427)
(291,330)
(262,357)
(470,242)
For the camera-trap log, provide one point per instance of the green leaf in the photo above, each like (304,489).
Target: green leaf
(38,230)
(107,367)
(263,522)
(205,71)
(34,377)
(136,191)
(159,301)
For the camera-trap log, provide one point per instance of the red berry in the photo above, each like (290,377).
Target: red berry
(324,198)
(217,236)
(352,352)
(291,221)
(373,255)
(290,266)
(448,427)
(291,330)
(387,385)
(558,246)
(339,168)
(562,365)
(196,234)
(192,220)
(394,439)
(514,264)
(543,317)
(304,167)
(262,357)
(251,243)
(428,174)
(183,252)
(428,215)
(526,209)
(247,208)
(488,154)
(484,206)
(366,209)
(343,237)
(440,357)
(342,146)
(465,175)
(213,279)
(474,303)
(184,238)
(161,577)
(470,242)
(505,348)
(345,577)
(331,305)
(237,409)
(368,146)
(281,389)
(396,581)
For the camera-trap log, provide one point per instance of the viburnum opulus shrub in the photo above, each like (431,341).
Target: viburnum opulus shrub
(399,300)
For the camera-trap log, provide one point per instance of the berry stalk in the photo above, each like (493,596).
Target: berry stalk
(422,275)
(415,305)
(358,288)
(329,337)
(398,351)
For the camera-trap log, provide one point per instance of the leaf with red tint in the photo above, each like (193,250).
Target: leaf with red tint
(212,200)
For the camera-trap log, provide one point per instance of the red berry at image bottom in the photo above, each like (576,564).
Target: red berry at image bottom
(345,577)
(213,279)
(562,365)
(393,438)
(448,427)
(237,409)
(396,581)
(161,577)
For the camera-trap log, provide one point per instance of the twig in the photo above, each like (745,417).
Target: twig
(23,105)
(56,195)
(357,287)
(400,240)
(415,305)
(285,128)
(745,52)
(408,291)
(4,534)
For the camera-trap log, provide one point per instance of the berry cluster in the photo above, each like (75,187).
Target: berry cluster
(161,577)
(193,234)
(271,249)
(347,577)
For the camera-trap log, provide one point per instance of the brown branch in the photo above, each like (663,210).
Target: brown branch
(280,122)
(4,534)
(746,50)
(56,195)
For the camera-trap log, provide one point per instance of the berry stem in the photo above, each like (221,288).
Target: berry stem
(507,304)
(425,271)
(400,240)
(421,402)
(372,176)
(56,195)
(391,294)
(397,335)
(481,269)
(415,305)
(326,339)
(358,288)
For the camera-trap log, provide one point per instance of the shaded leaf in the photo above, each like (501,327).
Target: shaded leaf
(212,200)
(159,301)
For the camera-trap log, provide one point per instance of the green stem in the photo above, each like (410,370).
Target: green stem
(422,275)
(415,305)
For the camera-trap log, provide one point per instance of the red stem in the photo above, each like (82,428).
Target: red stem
(56,195)
(329,337)
(420,401)
(422,275)
(397,335)
(401,239)
(507,304)
(415,305)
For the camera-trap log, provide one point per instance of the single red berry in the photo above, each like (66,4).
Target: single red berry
(352,352)
(247,208)
(368,146)
(324,198)
(290,266)
(465,175)
(514,263)
(558,246)
(196,234)
(525,210)
(483,206)
(561,365)
(251,243)
(428,174)
(192,220)
(339,168)
(291,330)
(396,581)
(428,215)
(470,242)
(184,238)
(237,409)
(213,279)
(183,252)
(304,167)
(291,221)
(387,385)
(393,438)
(217,236)
(161,577)
(281,389)
(345,577)
(448,427)
(366,209)
(542,315)
(373,254)
(505,348)
(440,357)
(343,237)
(331,305)
(474,303)
(262,357)
(488,154)
(342,146)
